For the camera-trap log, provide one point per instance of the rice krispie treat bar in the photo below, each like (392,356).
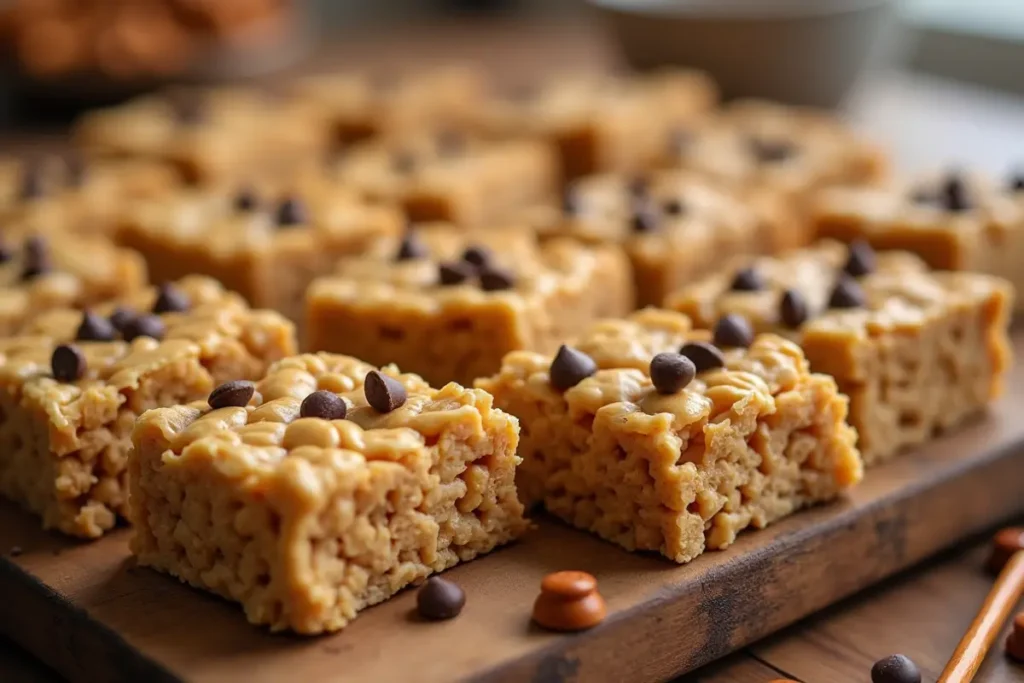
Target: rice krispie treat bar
(72,384)
(652,437)
(448,304)
(603,123)
(952,221)
(916,351)
(266,247)
(675,226)
(328,489)
(451,177)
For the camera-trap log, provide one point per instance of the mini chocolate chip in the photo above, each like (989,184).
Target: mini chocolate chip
(246,200)
(645,219)
(450,143)
(955,194)
(440,599)
(477,255)
(570,367)
(67,363)
(37,258)
(144,326)
(674,207)
(703,355)
(170,300)
(290,212)
(747,280)
(383,393)
(771,151)
(95,328)
(895,669)
(494,279)
(846,294)
(671,372)
(454,272)
(570,202)
(325,405)
(732,331)
(637,186)
(862,259)
(122,317)
(403,161)
(1016,183)
(32,185)
(234,394)
(793,308)
(411,248)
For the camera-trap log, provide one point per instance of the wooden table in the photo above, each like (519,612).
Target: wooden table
(924,122)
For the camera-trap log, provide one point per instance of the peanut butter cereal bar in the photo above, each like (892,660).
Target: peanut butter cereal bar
(448,304)
(916,351)
(602,123)
(267,247)
(72,384)
(327,490)
(952,221)
(653,438)
(452,177)
(675,226)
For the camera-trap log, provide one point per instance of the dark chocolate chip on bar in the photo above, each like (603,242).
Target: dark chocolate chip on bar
(95,328)
(411,248)
(671,372)
(144,326)
(847,293)
(793,308)
(122,317)
(325,405)
(170,299)
(861,260)
(37,258)
(570,367)
(747,280)
(477,255)
(246,200)
(234,394)
(494,279)
(383,393)
(955,194)
(68,363)
(291,211)
(768,151)
(645,218)
(455,272)
(732,331)
(703,355)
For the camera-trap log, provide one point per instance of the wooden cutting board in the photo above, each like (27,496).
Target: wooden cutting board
(87,611)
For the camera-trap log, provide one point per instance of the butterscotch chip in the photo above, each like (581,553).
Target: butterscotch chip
(569,601)
(95,328)
(671,372)
(383,393)
(570,367)
(733,331)
(325,405)
(68,363)
(703,355)
(234,394)
(170,300)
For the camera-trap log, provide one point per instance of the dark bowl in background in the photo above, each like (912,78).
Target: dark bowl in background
(804,52)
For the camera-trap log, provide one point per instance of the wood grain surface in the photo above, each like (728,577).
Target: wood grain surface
(92,615)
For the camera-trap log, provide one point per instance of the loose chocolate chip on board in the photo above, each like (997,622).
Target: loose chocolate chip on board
(671,372)
(748,280)
(170,299)
(494,279)
(570,367)
(234,394)
(37,258)
(674,207)
(477,255)
(122,317)
(144,326)
(955,194)
(733,331)
(847,294)
(645,218)
(771,151)
(246,200)
(703,355)
(325,405)
(67,363)
(454,272)
(440,599)
(383,393)
(411,248)
(895,669)
(291,212)
(862,260)
(95,328)
(793,308)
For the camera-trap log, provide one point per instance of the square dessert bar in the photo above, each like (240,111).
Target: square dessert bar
(72,384)
(39,272)
(330,490)
(451,177)
(952,221)
(651,437)
(602,123)
(268,248)
(916,351)
(447,304)
(675,226)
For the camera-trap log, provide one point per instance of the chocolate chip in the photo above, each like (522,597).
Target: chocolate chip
(170,300)
(861,260)
(246,200)
(67,363)
(955,194)
(439,599)
(793,308)
(570,367)
(570,202)
(411,248)
(234,394)
(37,258)
(1016,183)
(95,328)
(895,669)
(747,280)
(703,355)
(454,272)
(32,185)
(674,207)
(122,317)
(290,212)
(771,151)
(450,143)
(732,331)
(637,186)
(325,405)
(477,255)
(671,372)
(383,393)
(493,279)
(144,326)
(846,294)
(403,161)
(645,219)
